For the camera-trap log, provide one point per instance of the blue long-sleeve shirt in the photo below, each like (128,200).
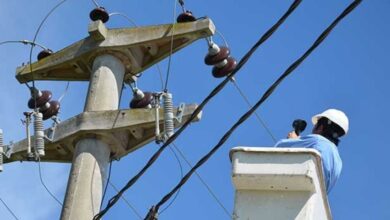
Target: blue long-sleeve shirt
(331,160)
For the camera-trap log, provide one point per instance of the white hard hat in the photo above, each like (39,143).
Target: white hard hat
(336,116)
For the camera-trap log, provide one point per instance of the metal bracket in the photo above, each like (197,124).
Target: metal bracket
(180,112)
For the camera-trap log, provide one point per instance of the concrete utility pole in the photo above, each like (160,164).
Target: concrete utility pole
(91,139)
(86,180)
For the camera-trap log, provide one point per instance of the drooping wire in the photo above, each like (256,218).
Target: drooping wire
(9,209)
(210,191)
(65,92)
(95,3)
(261,121)
(171,47)
(107,181)
(233,80)
(269,91)
(44,185)
(181,176)
(215,91)
(126,201)
(25,42)
(35,38)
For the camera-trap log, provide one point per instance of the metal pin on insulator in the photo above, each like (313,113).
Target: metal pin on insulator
(225,70)
(186,17)
(39,98)
(1,150)
(99,13)
(168,115)
(216,56)
(44,53)
(141,99)
(39,142)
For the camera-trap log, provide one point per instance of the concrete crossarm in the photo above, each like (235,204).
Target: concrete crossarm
(123,130)
(279,184)
(138,48)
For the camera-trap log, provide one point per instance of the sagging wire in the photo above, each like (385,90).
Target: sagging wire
(65,92)
(95,3)
(171,47)
(9,209)
(107,181)
(233,80)
(25,42)
(261,121)
(213,93)
(126,201)
(245,116)
(209,190)
(181,176)
(35,37)
(44,185)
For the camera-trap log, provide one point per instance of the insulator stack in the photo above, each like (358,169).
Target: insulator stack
(39,142)
(168,115)
(99,13)
(187,16)
(220,58)
(141,99)
(1,150)
(41,100)
(44,53)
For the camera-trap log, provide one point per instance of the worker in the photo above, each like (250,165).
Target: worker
(329,126)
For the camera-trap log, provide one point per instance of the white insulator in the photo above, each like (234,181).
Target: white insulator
(1,150)
(138,94)
(168,115)
(214,49)
(39,134)
(222,63)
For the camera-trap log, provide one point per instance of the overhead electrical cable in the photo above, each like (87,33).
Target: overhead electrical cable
(44,185)
(126,201)
(107,181)
(261,121)
(36,35)
(215,91)
(9,209)
(245,116)
(210,191)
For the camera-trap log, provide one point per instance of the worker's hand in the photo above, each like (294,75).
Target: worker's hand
(292,134)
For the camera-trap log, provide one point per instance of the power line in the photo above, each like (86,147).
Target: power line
(171,47)
(44,185)
(107,181)
(244,117)
(9,209)
(126,201)
(203,182)
(181,176)
(250,106)
(36,35)
(215,91)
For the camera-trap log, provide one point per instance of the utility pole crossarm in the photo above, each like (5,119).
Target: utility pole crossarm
(125,130)
(138,48)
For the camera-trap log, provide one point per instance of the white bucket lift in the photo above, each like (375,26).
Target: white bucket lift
(278,184)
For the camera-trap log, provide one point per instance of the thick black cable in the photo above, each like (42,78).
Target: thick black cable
(107,181)
(269,91)
(9,209)
(215,91)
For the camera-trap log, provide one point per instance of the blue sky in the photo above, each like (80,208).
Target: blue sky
(348,71)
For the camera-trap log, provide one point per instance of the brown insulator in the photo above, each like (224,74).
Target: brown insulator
(40,101)
(185,17)
(44,53)
(142,103)
(223,53)
(99,13)
(225,70)
(52,110)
